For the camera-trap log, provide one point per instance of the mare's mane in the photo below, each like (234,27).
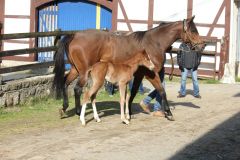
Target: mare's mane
(138,35)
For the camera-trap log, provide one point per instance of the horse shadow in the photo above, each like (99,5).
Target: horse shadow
(104,108)
(237,95)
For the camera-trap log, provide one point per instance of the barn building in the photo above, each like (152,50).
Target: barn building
(217,20)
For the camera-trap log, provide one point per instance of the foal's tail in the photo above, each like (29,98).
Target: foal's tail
(59,68)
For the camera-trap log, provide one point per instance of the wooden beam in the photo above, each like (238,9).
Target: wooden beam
(189,8)
(227,28)
(26,67)
(217,18)
(150,13)
(125,15)
(27,51)
(35,34)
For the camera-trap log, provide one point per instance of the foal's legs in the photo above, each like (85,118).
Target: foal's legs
(91,93)
(122,89)
(95,114)
(127,102)
(98,80)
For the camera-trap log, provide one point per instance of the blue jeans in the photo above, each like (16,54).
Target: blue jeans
(184,75)
(154,94)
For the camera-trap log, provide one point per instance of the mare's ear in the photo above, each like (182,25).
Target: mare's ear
(191,19)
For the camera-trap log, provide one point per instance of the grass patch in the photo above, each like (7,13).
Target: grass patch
(42,114)
(238,79)
(177,79)
(209,81)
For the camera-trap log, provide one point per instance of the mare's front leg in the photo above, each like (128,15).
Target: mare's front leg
(122,89)
(138,77)
(156,82)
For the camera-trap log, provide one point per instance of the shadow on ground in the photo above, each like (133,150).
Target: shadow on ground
(183,104)
(105,108)
(237,95)
(221,143)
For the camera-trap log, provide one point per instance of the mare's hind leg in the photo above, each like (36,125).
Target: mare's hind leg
(71,76)
(156,82)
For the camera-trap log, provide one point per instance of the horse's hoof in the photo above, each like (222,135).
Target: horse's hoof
(170,118)
(62,113)
(98,120)
(172,107)
(83,123)
(82,120)
(126,122)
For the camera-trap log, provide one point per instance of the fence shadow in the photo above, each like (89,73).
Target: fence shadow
(221,143)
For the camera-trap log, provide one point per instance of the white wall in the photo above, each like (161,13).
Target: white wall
(16,25)
(173,10)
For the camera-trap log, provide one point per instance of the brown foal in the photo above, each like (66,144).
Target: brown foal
(116,73)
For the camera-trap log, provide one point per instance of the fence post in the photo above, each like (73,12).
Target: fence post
(1,25)
(222,57)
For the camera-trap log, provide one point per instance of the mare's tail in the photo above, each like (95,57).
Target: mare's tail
(59,68)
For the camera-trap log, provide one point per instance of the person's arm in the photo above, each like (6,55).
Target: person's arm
(199,56)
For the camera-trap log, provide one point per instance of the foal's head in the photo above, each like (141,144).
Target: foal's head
(189,34)
(142,59)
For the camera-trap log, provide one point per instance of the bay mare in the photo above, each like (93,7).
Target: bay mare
(118,74)
(86,48)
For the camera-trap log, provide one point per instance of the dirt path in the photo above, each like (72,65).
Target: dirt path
(207,128)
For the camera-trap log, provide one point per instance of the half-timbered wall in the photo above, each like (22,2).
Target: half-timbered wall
(212,18)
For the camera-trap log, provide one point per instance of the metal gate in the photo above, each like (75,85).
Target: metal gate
(47,22)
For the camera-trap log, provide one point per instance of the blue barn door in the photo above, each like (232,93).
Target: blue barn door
(81,15)
(71,15)
(47,22)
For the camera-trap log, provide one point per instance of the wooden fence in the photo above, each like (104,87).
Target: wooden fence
(210,72)
(34,50)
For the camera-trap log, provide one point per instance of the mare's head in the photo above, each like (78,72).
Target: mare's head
(189,34)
